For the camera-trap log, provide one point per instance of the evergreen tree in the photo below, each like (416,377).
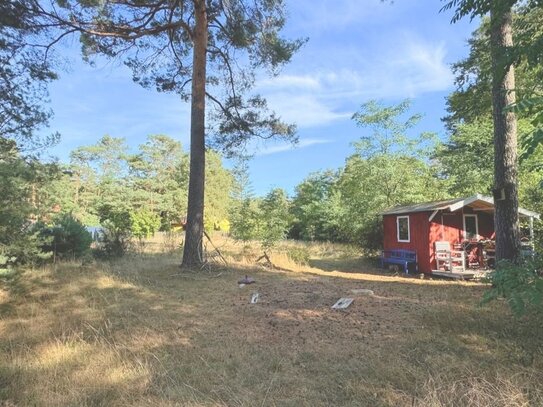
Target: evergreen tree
(171,45)
(218,187)
(274,210)
(25,72)
(244,210)
(159,178)
(20,205)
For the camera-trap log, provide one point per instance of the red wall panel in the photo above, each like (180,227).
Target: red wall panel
(418,236)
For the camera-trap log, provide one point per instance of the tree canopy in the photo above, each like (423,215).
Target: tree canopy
(198,49)
(25,72)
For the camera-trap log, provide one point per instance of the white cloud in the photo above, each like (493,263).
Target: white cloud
(279,148)
(304,109)
(292,81)
(319,95)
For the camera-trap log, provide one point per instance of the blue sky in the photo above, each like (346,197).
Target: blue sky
(357,50)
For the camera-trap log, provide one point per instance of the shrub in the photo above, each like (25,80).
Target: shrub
(144,223)
(25,246)
(5,262)
(245,221)
(222,225)
(275,218)
(520,284)
(68,237)
(371,235)
(117,224)
(299,255)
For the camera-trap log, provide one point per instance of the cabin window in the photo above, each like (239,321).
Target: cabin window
(402,226)
(471,230)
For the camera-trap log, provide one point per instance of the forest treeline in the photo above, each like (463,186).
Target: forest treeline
(393,162)
(150,185)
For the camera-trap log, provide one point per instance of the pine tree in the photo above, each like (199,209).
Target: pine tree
(201,50)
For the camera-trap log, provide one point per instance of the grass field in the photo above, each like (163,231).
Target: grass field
(138,332)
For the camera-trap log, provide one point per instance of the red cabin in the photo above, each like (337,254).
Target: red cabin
(463,229)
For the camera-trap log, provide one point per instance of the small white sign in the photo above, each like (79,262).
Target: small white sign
(254,298)
(342,303)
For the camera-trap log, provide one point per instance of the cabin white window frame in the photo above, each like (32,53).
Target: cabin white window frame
(398,229)
(464,231)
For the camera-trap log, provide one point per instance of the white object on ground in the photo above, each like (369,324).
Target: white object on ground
(241,285)
(342,303)
(254,298)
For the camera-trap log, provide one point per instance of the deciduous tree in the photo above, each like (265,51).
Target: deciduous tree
(388,168)
(316,208)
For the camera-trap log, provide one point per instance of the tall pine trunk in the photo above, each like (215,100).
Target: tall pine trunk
(192,253)
(505,137)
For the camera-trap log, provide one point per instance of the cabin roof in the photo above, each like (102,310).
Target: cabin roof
(478,202)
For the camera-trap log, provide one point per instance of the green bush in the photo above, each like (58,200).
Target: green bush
(520,284)
(144,223)
(117,231)
(245,221)
(68,238)
(5,262)
(299,255)
(25,247)
(275,218)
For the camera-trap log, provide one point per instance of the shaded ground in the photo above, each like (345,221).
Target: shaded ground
(139,332)
(354,264)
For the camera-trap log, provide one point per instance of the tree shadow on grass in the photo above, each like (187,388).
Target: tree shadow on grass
(141,332)
(353,264)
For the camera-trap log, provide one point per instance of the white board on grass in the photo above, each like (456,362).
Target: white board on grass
(342,303)
(254,298)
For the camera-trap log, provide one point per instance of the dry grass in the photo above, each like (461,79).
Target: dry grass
(138,332)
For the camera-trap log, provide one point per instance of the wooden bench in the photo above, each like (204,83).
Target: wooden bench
(401,257)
